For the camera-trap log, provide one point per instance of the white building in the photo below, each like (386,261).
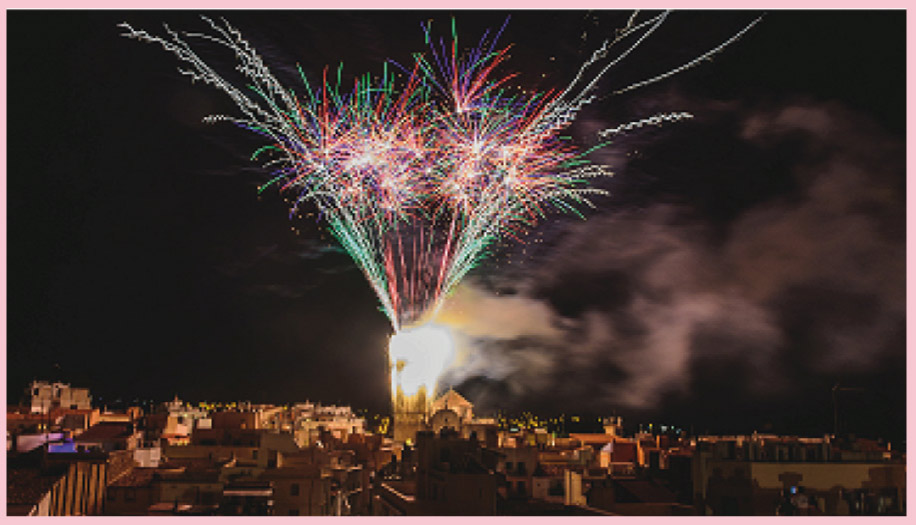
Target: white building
(338,420)
(46,396)
(148,457)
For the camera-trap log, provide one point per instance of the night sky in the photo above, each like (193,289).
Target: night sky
(744,263)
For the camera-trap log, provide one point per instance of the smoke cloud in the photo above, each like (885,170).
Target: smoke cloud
(636,305)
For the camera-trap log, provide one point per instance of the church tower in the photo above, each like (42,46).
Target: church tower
(410,408)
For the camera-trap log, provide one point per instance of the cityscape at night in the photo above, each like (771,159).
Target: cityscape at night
(454,262)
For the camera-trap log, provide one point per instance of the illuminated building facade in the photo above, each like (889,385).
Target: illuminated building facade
(416,358)
(46,396)
(450,411)
(410,410)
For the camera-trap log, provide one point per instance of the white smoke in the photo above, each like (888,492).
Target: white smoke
(675,295)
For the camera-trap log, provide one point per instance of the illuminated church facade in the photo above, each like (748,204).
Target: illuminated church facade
(449,411)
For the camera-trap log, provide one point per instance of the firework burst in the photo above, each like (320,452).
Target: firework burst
(417,179)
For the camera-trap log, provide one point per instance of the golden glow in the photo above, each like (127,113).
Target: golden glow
(418,356)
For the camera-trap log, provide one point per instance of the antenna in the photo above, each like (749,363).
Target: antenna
(837,388)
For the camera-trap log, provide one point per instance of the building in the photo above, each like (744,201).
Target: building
(396,498)
(228,419)
(451,410)
(370,450)
(309,421)
(634,497)
(45,396)
(176,423)
(218,445)
(41,483)
(556,483)
(271,445)
(410,412)
(132,494)
(109,437)
(247,498)
(190,486)
(518,465)
(130,415)
(455,476)
(454,407)
(299,491)
(148,456)
(754,475)
(20,420)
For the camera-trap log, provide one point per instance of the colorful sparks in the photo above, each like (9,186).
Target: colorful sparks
(417,179)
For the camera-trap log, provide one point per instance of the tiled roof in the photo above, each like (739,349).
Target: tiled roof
(26,486)
(451,399)
(106,431)
(646,491)
(291,472)
(190,476)
(192,463)
(135,477)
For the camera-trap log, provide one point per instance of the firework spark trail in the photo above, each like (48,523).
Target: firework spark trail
(653,120)
(418,181)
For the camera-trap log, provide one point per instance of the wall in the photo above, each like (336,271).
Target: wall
(246,420)
(129,501)
(211,452)
(148,457)
(409,414)
(826,476)
(572,489)
(187,491)
(312,498)
(742,487)
(80,491)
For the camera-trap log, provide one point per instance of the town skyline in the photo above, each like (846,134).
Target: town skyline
(745,265)
(435,456)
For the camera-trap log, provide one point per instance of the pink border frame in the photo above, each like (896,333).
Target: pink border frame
(489,5)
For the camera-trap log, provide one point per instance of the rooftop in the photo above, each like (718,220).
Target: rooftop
(451,399)
(135,477)
(26,486)
(292,472)
(106,431)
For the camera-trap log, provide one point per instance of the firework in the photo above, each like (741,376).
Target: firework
(417,179)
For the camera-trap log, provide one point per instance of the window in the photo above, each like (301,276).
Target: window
(130,495)
(293,512)
(254,454)
(294,489)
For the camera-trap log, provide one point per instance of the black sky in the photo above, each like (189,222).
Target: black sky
(141,262)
